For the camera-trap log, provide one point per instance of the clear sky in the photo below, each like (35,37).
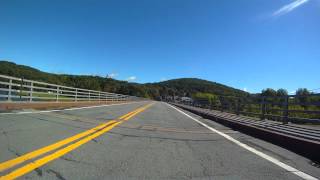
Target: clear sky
(247,44)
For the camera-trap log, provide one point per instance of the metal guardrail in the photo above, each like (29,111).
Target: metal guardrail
(20,89)
(300,139)
(290,108)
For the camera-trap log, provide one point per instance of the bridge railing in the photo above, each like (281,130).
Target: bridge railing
(20,89)
(290,108)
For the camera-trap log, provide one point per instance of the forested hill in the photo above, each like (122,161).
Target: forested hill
(190,86)
(177,87)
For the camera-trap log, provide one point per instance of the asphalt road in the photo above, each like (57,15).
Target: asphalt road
(157,142)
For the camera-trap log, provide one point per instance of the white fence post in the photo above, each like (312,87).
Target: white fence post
(76,96)
(31,91)
(89,96)
(57,95)
(21,87)
(10,88)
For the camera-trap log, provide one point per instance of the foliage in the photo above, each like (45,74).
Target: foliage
(303,94)
(282,92)
(187,86)
(269,92)
(158,91)
(211,99)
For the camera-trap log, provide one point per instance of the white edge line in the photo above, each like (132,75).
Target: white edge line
(251,149)
(69,109)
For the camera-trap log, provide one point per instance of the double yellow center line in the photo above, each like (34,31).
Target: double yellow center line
(74,141)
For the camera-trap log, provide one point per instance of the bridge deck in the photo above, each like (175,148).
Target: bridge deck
(158,143)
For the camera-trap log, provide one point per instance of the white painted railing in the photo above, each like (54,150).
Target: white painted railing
(19,89)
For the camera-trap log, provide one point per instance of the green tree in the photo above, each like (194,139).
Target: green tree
(303,96)
(282,92)
(281,96)
(269,92)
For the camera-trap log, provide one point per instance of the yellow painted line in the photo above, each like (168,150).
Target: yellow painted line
(133,114)
(13,162)
(31,166)
(128,114)
(40,162)
(137,112)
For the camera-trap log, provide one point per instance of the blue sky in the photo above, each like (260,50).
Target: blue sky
(247,44)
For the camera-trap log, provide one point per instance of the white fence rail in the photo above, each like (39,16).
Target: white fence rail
(19,89)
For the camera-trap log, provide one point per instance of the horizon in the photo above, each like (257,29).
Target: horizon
(245,45)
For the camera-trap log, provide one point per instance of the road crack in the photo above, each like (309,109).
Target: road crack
(77,161)
(57,174)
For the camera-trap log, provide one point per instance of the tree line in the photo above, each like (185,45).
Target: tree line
(157,91)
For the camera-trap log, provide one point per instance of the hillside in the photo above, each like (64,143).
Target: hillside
(177,87)
(189,86)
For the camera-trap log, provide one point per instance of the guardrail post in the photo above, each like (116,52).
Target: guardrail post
(89,96)
(57,95)
(285,110)
(76,96)
(99,96)
(31,91)
(9,91)
(263,109)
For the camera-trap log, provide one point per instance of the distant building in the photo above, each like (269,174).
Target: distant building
(186,99)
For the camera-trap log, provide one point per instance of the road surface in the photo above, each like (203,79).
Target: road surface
(142,140)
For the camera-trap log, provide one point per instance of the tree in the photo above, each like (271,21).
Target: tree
(303,96)
(269,92)
(282,92)
(282,95)
(303,92)
(269,95)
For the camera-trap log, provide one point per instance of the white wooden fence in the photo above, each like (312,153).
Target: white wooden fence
(19,89)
